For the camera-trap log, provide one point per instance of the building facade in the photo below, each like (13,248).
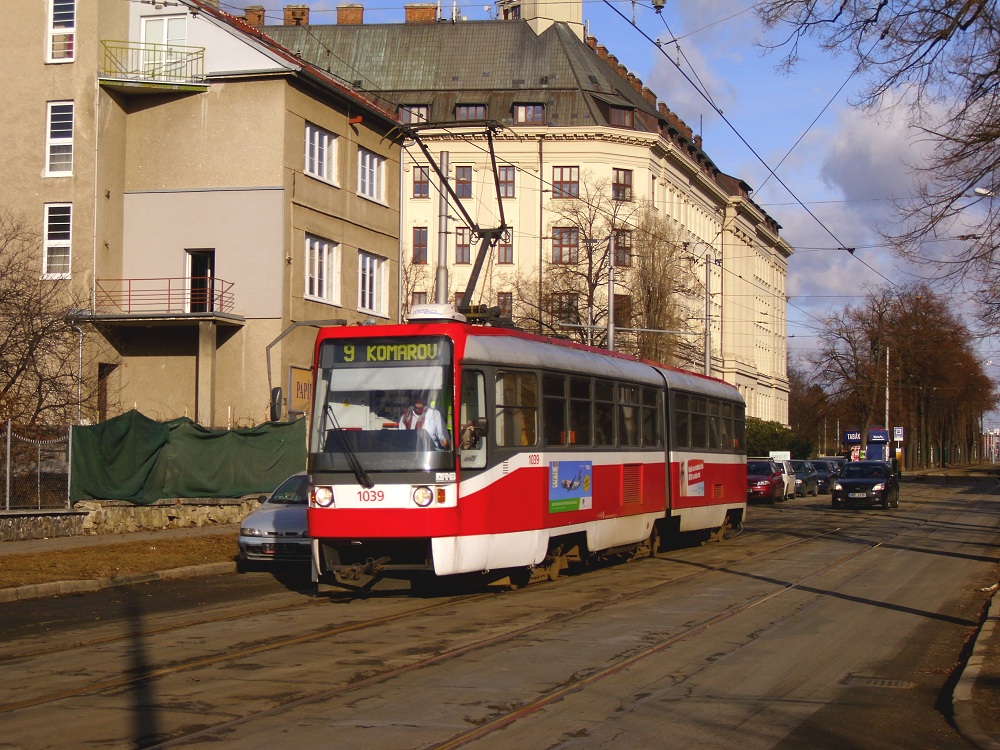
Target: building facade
(566,120)
(210,195)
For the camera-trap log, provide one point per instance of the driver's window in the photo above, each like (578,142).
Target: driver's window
(472,412)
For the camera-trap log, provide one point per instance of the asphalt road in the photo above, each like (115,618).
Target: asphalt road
(814,628)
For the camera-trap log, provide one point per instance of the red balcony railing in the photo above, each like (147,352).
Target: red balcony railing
(176,296)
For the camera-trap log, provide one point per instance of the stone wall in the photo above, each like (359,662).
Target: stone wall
(117,517)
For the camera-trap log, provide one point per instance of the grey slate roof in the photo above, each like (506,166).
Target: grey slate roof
(498,63)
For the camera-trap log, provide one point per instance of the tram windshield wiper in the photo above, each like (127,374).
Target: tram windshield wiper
(352,457)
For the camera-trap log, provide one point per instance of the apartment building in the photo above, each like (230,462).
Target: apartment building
(212,195)
(567,116)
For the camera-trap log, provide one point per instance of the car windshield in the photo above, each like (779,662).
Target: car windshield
(759,467)
(854,471)
(293,491)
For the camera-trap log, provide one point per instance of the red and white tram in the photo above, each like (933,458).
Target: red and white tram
(442,447)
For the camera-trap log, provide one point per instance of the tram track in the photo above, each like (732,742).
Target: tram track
(575,685)
(158,672)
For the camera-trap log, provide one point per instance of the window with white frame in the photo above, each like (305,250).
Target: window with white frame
(322,270)
(58,232)
(371,176)
(61,47)
(372,283)
(320,154)
(59,140)
(162,54)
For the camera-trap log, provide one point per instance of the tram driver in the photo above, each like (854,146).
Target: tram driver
(421,416)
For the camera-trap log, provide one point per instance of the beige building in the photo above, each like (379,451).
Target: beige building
(570,117)
(204,189)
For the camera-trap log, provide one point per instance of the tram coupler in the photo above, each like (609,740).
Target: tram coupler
(361,577)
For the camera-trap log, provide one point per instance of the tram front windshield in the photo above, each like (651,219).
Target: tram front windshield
(385,403)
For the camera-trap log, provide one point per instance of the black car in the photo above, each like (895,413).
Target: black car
(826,473)
(806,478)
(866,483)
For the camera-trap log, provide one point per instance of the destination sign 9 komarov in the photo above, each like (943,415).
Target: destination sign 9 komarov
(387,352)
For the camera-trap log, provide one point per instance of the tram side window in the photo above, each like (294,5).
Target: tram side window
(699,422)
(517,408)
(726,425)
(714,426)
(604,413)
(650,422)
(554,410)
(739,428)
(580,410)
(628,415)
(680,428)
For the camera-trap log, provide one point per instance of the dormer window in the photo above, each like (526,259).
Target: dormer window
(470,112)
(620,117)
(413,113)
(525,114)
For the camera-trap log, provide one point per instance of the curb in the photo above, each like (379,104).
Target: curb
(963,708)
(57,588)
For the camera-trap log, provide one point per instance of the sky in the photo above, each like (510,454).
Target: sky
(845,166)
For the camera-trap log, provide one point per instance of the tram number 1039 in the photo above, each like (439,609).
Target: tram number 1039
(371,496)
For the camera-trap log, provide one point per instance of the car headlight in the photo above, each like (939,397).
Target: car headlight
(423,496)
(837,486)
(879,487)
(247,531)
(322,496)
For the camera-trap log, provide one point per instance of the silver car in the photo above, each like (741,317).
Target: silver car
(277,530)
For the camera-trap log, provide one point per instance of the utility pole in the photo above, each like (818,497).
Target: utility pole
(441,278)
(611,291)
(708,313)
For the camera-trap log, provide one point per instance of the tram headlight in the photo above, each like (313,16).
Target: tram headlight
(322,496)
(423,496)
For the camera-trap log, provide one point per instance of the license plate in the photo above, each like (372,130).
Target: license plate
(858,494)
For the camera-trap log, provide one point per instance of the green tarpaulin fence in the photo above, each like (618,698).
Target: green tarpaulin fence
(135,458)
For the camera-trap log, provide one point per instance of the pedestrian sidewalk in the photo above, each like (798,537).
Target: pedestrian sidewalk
(68,543)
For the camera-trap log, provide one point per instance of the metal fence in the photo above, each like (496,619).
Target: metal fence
(36,470)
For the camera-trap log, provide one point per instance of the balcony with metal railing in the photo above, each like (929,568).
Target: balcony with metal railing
(142,65)
(193,296)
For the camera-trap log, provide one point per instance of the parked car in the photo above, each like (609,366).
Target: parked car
(764,481)
(826,473)
(277,530)
(806,478)
(839,461)
(788,477)
(866,483)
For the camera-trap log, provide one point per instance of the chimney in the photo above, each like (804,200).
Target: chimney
(649,96)
(602,52)
(421,13)
(592,42)
(254,15)
(296,15)
(351,15)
